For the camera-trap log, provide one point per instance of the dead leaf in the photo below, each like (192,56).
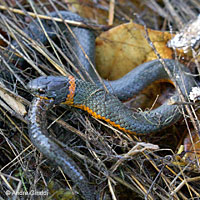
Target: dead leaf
(87,9)
(124,47)
(192,152)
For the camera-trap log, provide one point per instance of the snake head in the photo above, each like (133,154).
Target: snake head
(50,87)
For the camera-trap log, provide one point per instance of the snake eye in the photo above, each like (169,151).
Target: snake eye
(41,91)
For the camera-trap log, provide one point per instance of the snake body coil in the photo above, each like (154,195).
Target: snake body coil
(102,105)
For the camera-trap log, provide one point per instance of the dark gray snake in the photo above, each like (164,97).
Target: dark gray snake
(93,99)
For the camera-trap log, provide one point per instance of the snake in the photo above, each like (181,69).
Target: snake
(93,98)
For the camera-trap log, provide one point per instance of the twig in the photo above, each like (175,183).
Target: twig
(111,12)
(75,23)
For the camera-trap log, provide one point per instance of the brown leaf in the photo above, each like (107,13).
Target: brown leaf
(87,9)
(124,47)
(193,151)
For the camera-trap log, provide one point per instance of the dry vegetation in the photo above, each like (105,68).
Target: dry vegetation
(121,166)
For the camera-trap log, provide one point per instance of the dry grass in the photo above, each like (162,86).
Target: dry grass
(120,165)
